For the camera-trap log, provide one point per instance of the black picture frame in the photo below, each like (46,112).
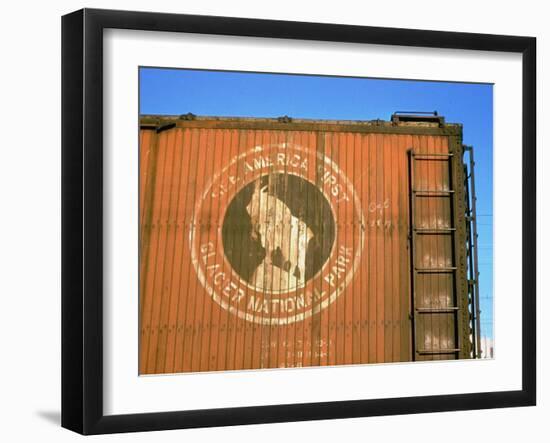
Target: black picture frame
(82,215)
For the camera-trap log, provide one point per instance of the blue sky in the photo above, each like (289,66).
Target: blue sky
(239,94)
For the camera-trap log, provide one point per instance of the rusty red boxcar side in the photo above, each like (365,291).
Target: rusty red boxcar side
(268,243)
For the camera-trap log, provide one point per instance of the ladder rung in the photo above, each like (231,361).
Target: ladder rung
(431,192)
(434,231)
(437,310)
(429,156)
(434,270)
(438,351)
(434,154)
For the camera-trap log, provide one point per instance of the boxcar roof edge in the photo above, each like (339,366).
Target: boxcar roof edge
(285,123)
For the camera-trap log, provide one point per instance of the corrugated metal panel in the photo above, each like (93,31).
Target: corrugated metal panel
(265,244)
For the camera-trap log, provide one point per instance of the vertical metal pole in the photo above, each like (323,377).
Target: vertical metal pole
(463,321)
(470,257)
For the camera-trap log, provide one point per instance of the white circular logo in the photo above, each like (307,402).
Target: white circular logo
(277,234)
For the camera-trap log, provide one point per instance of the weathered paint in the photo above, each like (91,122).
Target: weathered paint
(227,207)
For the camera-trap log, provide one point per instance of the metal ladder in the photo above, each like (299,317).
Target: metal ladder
(472,250)
(417,311)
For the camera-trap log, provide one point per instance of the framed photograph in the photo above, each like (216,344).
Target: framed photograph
(269,221)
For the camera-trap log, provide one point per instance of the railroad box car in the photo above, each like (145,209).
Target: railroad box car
(277,243)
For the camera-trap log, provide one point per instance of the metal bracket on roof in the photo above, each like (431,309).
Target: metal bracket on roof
(149,126)
(188,117)
(284,119)
(165,127)
(417,117)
